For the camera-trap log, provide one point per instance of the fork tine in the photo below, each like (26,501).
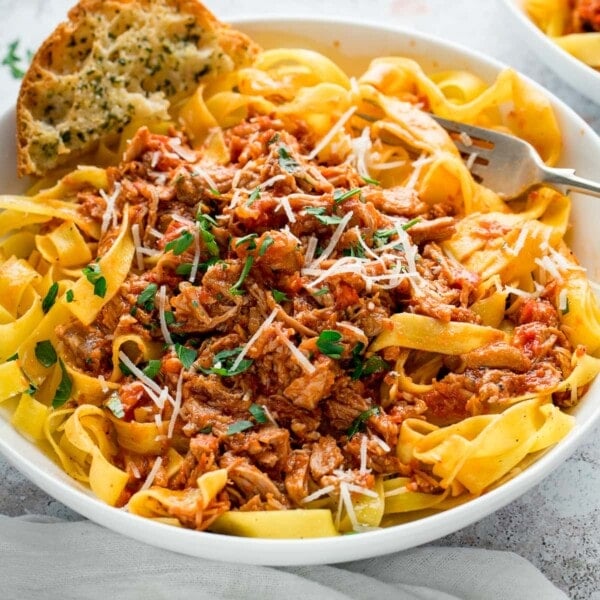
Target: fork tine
(476,133)
(473,149)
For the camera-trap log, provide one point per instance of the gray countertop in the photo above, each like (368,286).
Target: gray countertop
(557,524)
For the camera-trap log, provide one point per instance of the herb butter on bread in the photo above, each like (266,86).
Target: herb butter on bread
(112,62)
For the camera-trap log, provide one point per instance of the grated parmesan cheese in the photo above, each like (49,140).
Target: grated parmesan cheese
(137,241)
(321,492)
(176,406)
(332,132)
(105,389)
(162,301)
(153,472)
(300,358)
(254,338)
(335,238)
(110,216)
(364,441)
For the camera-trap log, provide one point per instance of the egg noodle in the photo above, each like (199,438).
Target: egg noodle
(572,24)
(119,414)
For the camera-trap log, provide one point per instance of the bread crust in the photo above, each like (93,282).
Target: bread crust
(56,62)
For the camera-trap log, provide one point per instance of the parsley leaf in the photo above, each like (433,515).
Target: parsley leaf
(321,216)
(238,427)
(339,196)
(235,288)
(180,244)
(115,406)
(223,363)
(268,241)
(321,292)
(187,356)
(254,196)
(279,296)
(328,343)
(406,226)
(258,412)
(50,298)
(146,298)
(360,421)
(70,296)
(45,353)
(248,239)
(94,275)
(12,60)
(152,368)
(370,180)
(286,161)
(63,391)
(373,364)
(205,224)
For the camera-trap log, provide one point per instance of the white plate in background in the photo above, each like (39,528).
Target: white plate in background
(575,72)
(351,44)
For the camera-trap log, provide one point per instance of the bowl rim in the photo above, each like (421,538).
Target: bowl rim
(287,552)
(579,75)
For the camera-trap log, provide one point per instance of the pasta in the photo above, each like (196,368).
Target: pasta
(572,24)
(311,319)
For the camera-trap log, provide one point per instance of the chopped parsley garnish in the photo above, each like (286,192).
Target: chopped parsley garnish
(286,161)
(370,180)
(45,353)
(146,298)
(235,288)
(406,226)
(223,363)
(258,412)
(124,368)
(187,356)
(320,213)
(69,295)
(205,224)
(239,426)
(169,317)
(279,296)
(248,239)
(152,368)
(94,275)
(359,423)
(382,236)
(180,244)
(15,356)
(207,429)
(115,406)
(565,309)
(254,196)
(264,246)
(373,364)
(322,291)
(63,391)
(339,196)
(356,250)
(184,269)
(12,60)
(328,343)
(50,298)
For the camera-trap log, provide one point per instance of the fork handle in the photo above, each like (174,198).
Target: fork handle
(571,181)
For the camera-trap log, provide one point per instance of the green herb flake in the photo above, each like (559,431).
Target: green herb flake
(370,180)
(15,356)
(319,213)
(180,244)
(328,343)
(63,391)
(286,161)
(382,236)
(205,225)
(70,295)
(258,412)
(565,309)
(359,423)
(254,196)
(223,363)
(45,353)
(94,275)
(238,427)
(279,297)
(12,60)
(115,405)
(321,291)
(50,298)
(265,244)
(187,356)
(340,196)
(235,288)
(184,269)
(206,430)
(146,298)
(406,226)
(169,317)
(248,239)
(152,368)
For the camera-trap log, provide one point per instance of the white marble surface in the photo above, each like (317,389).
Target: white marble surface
(557,524)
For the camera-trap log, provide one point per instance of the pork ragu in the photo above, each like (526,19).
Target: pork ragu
(263,282)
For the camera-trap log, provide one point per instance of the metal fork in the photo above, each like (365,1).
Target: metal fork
(507,164)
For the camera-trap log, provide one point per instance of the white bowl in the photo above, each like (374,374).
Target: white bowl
(575,72)
(352,44)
